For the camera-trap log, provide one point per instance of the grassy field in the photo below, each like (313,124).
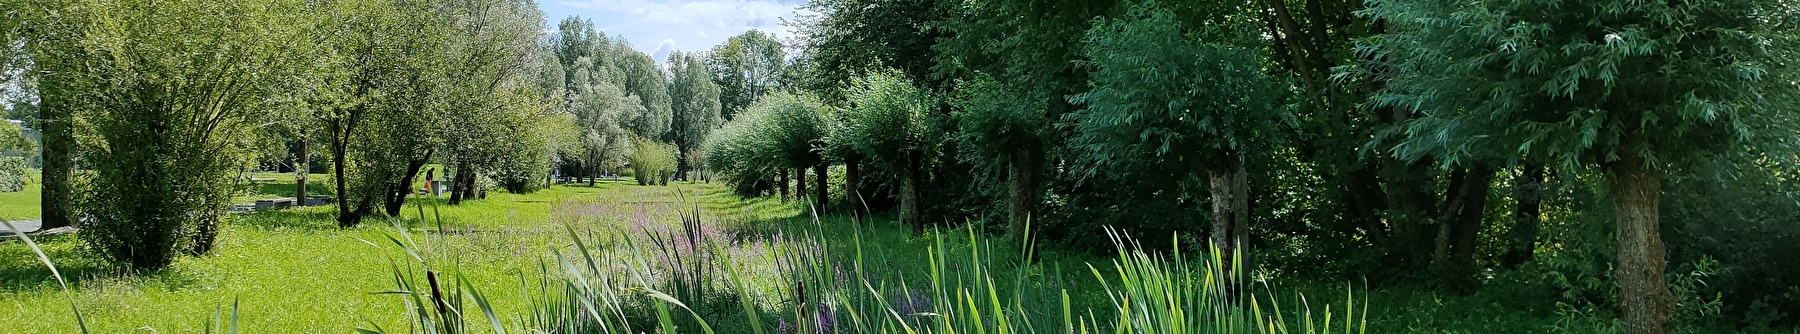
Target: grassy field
(295,271)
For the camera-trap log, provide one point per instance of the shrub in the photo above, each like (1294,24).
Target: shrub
(12,174)
(169,115)
(653,162)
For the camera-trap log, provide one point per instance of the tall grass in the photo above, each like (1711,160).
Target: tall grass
(687,278)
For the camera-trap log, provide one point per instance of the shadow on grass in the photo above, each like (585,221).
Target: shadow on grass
(20,270)
(317,218)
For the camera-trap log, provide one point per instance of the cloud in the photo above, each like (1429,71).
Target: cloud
(693,24)
(662,50)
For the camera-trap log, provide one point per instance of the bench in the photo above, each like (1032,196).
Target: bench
(274,203)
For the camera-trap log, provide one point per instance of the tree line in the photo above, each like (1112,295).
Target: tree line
(1434,142)
(1591,143)
(152,112)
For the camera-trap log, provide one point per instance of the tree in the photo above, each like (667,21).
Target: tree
(602,112)
(1635,90)
(795,129)
(746,67)
(491,102)
(737,152)
(890,124)
(1175,98)
(696,107)
(372,64)
(639,75)
(52,32)
(176,84)
(995,128)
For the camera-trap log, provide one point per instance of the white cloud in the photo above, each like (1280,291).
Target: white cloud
(692,24)
(662,50)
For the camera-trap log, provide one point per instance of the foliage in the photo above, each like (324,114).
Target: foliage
(890,121)
(745,67)
(781,131)
(1169,95)
(1669,82)
(696,106)
(652,162)
(172,101)
(12,174)
(12,138)
(738,151)
(1640,91)
(995,120)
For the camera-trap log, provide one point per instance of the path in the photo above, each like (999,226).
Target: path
(26,225)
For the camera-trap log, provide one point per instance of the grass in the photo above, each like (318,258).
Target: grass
(294,271)
(21,205)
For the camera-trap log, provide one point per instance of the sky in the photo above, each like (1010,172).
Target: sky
(659,26)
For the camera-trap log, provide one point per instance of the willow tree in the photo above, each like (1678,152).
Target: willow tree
(177,86)
(795,128)
(997,129)
(890,124)
(1169,97)
(489,94)
(1635,90)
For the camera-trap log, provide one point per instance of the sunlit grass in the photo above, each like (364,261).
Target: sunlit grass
(293,270)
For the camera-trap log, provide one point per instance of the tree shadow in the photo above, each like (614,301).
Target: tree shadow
(290,219)
(21,270)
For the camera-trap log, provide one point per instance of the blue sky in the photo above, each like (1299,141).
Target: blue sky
(658,26)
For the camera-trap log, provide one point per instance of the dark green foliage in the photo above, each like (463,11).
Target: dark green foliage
(746,67)
(1168,95)
(1744,218)
(1583,83)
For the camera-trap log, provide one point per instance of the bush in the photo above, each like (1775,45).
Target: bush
(652,162)
(12,174)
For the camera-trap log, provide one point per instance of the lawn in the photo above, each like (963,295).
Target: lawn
(296,271)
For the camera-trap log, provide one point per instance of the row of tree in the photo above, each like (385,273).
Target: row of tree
(162,106)
(152,111)
(1379,129)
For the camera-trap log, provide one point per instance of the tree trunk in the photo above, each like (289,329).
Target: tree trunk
(819,171)
(851,195)
(909,194)
(799,183)
(302,161)
(1528,195)
(781,184)
(1466,229)
(1022,190)
(681,163)
(58,138)
(346,216)
(1224,212)
(459,191)
(1454,197)
(1644,298)
(399,191)
(1369,201)
(592,175)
